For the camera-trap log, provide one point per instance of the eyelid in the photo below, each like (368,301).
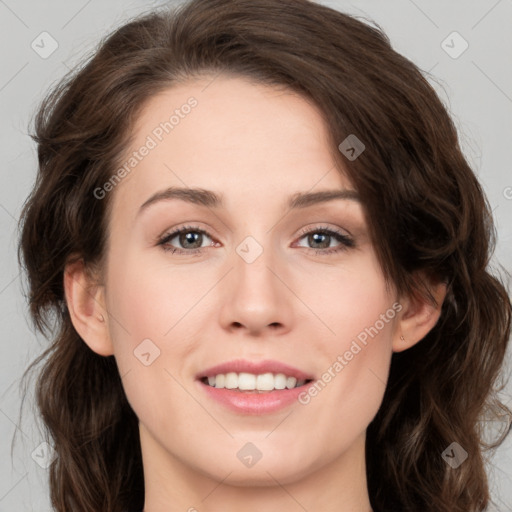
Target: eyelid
(322,227)
(184,227)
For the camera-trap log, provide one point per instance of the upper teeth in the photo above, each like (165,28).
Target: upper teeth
(249,381)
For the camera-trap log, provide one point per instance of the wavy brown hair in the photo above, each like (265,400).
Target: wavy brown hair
(427,215)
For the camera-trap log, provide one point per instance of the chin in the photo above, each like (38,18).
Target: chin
(263,473)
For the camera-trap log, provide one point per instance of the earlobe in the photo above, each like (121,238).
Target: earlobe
(86,305)
(418,317)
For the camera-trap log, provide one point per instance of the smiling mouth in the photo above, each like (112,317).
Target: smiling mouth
(254,383)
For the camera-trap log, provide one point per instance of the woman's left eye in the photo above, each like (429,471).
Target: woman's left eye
(191,240)
(321,238)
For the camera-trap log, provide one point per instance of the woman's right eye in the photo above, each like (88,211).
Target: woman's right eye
(190,238)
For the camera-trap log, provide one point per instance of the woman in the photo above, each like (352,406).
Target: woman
(267,257)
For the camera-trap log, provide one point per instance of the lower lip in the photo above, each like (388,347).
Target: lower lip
(254,403)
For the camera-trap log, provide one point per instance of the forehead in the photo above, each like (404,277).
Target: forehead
(231,135)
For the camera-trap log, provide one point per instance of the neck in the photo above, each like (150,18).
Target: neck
(172,485)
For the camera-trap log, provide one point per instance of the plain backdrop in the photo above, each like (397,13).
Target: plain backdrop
(471,71)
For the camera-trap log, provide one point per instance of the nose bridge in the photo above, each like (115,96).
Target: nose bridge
(256,298)
(254,282)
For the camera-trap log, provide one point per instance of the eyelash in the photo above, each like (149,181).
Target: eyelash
(345,241)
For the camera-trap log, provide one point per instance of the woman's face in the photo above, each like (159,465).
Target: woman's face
(268,277)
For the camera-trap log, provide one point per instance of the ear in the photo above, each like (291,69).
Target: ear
(86,305)
(419,315)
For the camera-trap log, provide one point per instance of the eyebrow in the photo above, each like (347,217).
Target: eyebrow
(210,199)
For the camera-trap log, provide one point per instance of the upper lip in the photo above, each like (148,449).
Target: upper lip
(255,367)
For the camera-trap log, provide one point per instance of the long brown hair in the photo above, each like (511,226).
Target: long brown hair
(425,208)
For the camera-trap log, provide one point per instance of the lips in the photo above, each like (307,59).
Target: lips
(276,385)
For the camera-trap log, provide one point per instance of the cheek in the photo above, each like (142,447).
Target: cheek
(153,330)
(150,311)
(347,299)
(356,354)
(150,302)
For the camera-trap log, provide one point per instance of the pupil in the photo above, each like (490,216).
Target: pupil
(317,238)
(190,238)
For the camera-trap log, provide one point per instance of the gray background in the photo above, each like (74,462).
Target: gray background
(476,87)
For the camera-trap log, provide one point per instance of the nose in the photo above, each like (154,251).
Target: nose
(256,296)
